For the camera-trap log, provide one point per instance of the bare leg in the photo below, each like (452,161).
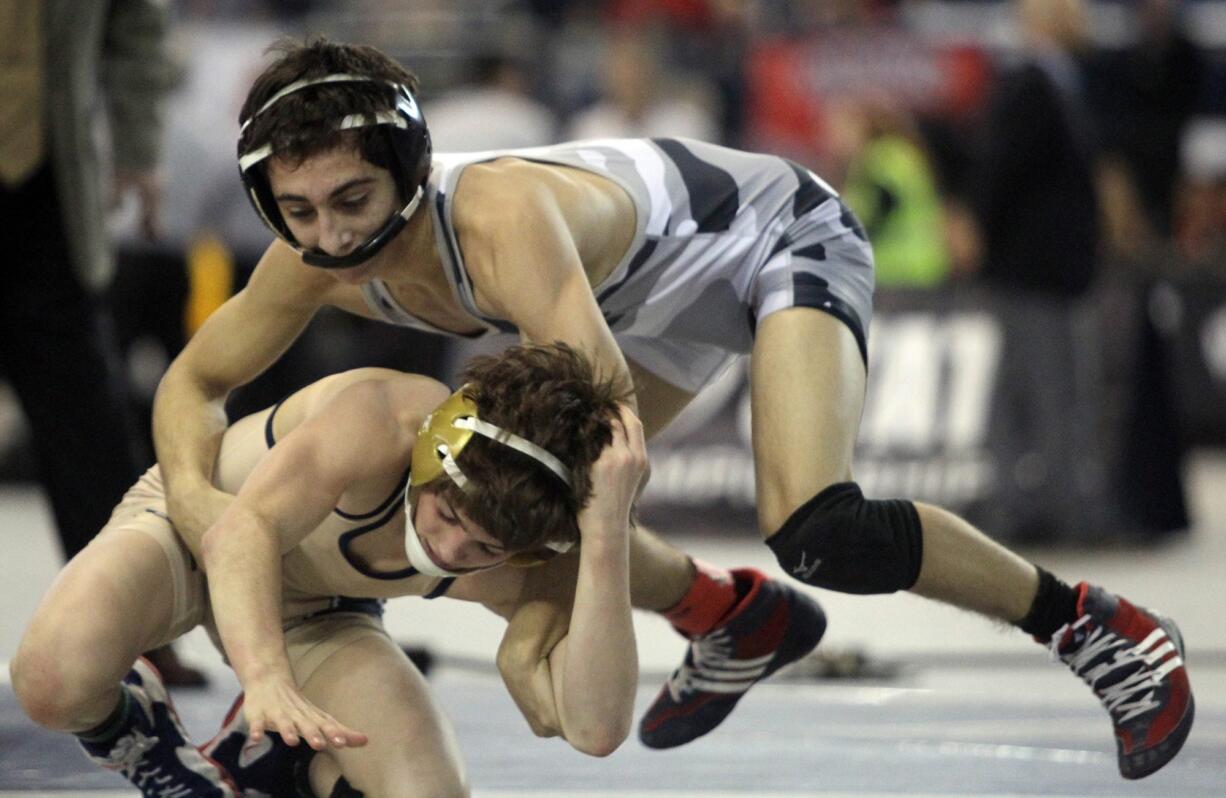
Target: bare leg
(370,685)
(110,603)
(965,568)
(808,394)
(660,573)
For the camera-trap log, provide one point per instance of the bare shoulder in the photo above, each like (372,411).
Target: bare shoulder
(498,589)
(408,398)
(504,590)
(497,190)
(513,202)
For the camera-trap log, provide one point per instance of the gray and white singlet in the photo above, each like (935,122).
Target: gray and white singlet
(723,239)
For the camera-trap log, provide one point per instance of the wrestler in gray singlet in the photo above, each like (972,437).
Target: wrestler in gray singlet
(723,239)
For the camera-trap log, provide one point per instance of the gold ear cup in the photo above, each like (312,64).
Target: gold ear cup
(439,430)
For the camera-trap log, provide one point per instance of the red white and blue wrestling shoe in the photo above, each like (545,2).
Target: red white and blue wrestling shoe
(154,753)
(771,626)
(270,769)
(1133,661)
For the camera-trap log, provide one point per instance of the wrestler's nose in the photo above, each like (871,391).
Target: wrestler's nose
(335,237)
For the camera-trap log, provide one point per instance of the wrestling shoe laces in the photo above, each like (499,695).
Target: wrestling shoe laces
(770,626)
(1133,661)
(1101,653)
(711,666)
(129,751)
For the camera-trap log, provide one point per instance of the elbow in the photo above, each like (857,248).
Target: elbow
(216,542)
(603,738)
(209,547)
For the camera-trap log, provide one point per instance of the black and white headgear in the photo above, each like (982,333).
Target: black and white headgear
(410,149)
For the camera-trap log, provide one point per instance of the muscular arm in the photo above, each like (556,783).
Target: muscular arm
(357,437)
(237,343)
(525,233)
(568,657)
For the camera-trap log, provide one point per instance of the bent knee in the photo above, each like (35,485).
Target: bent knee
(839,540)
(46,693)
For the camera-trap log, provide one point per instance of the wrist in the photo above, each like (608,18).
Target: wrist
(605,541)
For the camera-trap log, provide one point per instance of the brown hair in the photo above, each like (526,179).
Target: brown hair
(303,124)
(551,395)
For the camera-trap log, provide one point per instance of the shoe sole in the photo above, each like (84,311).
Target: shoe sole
(804,613)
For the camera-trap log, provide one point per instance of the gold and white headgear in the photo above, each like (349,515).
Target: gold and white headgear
(441,438)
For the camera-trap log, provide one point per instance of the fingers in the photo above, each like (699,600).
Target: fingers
(313,727)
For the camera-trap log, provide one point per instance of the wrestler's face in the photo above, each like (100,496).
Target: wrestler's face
(453,540)
(334,201)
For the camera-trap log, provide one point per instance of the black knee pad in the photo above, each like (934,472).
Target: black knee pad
(841,541)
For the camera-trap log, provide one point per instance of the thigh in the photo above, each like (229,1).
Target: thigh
(368,683)
(114,600)
(807,394)
(659,401)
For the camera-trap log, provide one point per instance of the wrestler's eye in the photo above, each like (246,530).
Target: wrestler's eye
(493,551)
(354,203)
(299,213)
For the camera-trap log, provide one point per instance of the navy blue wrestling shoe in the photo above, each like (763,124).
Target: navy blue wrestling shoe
(154,752)
(771,626)
(270,769)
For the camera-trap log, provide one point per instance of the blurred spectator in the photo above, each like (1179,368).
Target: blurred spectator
(63,60)
(1151,90)
(1037,208)
(1035,200)
(707,37)
(642,98)
(496,112)
(1200,216)
(891,187)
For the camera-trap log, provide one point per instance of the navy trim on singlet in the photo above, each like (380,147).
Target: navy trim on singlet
(811,291)
(269,438)
(714,194)
(344,540)
(636,263)
(366,606)
(441,200)
(458,270)
(441,588)
(396,494)
(809,193)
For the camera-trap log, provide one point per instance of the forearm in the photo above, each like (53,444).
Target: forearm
(599,672)
(243,560)
(188,423)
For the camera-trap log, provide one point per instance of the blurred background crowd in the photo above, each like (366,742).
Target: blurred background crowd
(1057,165)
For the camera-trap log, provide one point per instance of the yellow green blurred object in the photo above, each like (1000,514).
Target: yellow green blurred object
(891,188)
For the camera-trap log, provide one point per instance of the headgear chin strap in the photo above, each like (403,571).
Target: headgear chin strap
(443,435)
(410,149)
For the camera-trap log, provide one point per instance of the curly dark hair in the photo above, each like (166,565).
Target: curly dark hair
(551,395)
(303,124)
